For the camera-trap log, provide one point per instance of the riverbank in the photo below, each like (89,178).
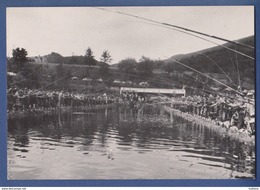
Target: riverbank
(51,111)
(222,129)
(232,132)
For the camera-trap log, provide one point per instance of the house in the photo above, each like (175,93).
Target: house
(144,84)
(74,78)
(87,79)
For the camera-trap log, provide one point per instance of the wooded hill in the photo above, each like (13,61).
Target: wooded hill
(208,60)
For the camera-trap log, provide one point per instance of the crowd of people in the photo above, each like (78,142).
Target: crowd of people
(238,111)
(29,99)
(133,97)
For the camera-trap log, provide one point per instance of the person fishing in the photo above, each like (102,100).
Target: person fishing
(60,99)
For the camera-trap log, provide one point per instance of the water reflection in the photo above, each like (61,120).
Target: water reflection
(147,145)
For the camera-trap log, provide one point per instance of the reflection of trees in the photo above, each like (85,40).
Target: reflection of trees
(150,134)
(234,152)
(102,127)
(107,121)
(19,130)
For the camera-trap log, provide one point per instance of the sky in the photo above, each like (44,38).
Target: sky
(71,30)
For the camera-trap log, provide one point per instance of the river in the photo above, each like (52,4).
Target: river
(118,144)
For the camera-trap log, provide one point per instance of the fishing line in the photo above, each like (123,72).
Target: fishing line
(239,82)
(165,81)
(59,79)
(213,63)
(233,64)
(196,36)
(18,81)
(207,76)
(182,28)
(179,27)
(169,25)
(218,67)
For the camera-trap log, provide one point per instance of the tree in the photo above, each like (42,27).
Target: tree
(89,57)
(73,60)
(127,65)
(106,57)
(104,70)
(168,67)
(19,57)
(54,58)
(62,76)
(33,75)
(145,67)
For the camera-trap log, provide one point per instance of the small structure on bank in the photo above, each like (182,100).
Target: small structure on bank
(173,92)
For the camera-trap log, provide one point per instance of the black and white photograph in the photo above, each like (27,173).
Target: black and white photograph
(134,93)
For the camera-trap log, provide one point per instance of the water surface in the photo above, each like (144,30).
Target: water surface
(118,144)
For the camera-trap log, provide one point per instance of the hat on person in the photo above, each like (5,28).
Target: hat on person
(252,120)
(245,92)
(250,93)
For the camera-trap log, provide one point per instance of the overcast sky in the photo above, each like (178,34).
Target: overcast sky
(72,30)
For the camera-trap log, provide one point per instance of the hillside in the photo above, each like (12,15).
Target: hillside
(219,61)
(57,58)
(227,60)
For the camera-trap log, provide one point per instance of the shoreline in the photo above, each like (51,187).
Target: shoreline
(232,132)
(51,111)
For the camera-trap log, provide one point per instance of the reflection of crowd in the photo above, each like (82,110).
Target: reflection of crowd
(133,96)
(28,99)
(237,112)
(134,99)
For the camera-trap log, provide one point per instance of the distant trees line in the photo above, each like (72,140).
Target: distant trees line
(39,75)
(87,59)
(36,75)
(160,73)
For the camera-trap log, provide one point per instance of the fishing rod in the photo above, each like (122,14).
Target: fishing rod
(186,33)
(199,37)
(212,36)
(178,27)
(18,81)
(214,64)
(207,76)
(218,67)
(193,101)
(165,81)
(233,64)
(59,79)
(235,51)
(239,80)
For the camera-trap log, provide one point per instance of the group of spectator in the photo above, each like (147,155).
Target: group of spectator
(134,97)
(236,111)
(29,99)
